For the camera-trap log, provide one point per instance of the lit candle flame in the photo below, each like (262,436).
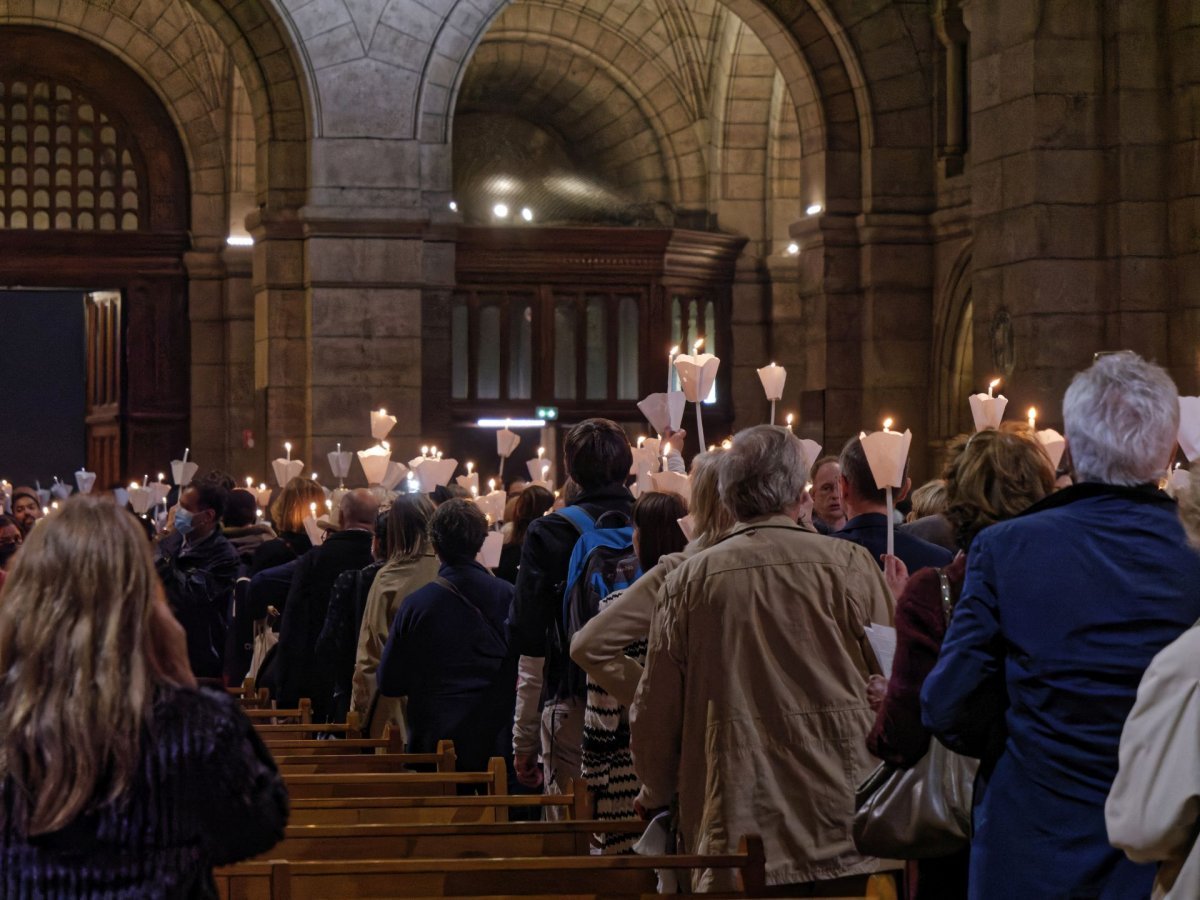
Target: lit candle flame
(887,424)
(249,481)
(674,351)
(425,450)
(1032,417)
(312,507)
(470,466)
(993,385)
(541,452)
(382,411)
(698,346)
(491,484)
(641,441)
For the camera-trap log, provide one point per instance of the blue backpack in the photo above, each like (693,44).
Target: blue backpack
(602,561)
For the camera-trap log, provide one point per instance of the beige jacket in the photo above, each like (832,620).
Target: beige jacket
(395,581)
(753,707)
(599,646)
(1153,809)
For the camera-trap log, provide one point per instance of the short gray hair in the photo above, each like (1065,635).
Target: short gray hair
(763,472)
(1122,420)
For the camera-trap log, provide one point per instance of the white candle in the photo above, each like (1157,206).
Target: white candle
(491,484)
(186,451)
(161,476)
(286,446)
(640,441)
(425,452)
(790,419)
(1033,417)
(312,507)
(470,466)
(249,482)
(541,452)
(698,346)
(674,352)
(995,382)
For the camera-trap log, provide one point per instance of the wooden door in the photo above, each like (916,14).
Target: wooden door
(104,381)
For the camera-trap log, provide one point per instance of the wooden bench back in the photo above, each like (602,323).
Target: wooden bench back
(298,760)
(613,877)
(397,784)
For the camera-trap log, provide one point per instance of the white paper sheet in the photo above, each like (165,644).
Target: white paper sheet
(883,641)
(664,411)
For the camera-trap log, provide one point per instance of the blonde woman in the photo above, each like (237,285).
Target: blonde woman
(288,512)
(118,777)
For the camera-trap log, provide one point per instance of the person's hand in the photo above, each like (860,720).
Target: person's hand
(166,646)
(675,438)
(876,691)
(895,573)
(527,770)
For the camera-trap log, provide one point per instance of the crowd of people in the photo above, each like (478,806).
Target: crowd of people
(706,664)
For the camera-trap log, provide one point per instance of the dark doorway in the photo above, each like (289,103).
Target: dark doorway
(42,405)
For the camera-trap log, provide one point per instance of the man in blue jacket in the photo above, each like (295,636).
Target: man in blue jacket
(1062,610)
(448,648)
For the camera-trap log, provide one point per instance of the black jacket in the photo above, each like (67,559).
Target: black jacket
(870,530)
(297,671)
(337,645)
(536,617)
(198,581)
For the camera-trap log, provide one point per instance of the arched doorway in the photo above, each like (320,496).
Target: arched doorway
(94,196)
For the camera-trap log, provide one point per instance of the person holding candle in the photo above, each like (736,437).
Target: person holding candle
(26,508)
(866,511)
(531,504)
(1062,610)
(753,706)
(994,476)
(288,512)
(828,514)
(411,564)
(198,568)
(296,672)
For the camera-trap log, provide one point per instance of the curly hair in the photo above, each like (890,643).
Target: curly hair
(994,475)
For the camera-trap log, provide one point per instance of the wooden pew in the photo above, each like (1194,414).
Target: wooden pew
(292,731)
(575,804)
(397,784)
(376,757)
(249,696)
(614,877)
(447,841)
(287,743)
(302,714)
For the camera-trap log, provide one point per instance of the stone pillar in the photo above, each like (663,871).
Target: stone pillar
(1070,238)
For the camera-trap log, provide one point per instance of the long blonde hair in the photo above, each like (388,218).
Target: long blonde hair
(77,684)
(711,517)
(293,504)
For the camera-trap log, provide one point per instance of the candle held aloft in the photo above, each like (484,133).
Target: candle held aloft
(1033,417)
(987,410)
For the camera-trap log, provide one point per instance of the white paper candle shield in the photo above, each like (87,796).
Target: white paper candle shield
(697,375)
(539,470)
(159,491)
(140,499)
(1054,444)
(987,411)
(492,504)
(120,496)
(316,534)
(396,473)
(506,442)
(335,515)
(812,452)
(340,462)
(489,553)
(664,411)
(673,483)
(285,470)
(1189,427)
(887,452)
(60,490)
(381,424)
(85,481)
(467,482)
(182,472)
(435,472)
(415,462)
(374,462)
(262,495)
(773,378)
(688,526)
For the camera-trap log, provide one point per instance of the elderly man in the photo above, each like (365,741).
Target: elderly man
(1061,612)
(297,672)
(753,707)
(828,515)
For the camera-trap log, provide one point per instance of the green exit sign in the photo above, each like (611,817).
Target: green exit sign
(548,413)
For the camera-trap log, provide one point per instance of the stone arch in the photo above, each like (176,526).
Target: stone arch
(953,349)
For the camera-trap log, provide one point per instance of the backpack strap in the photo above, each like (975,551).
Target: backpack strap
(613,515)
(579,517)
(446,585)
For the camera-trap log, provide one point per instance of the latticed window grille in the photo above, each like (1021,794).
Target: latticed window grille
(64,165)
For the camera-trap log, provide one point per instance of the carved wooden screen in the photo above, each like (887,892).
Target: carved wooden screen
(63,163)
(103,409)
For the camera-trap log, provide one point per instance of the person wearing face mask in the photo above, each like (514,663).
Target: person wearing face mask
(198,567)
(10,543)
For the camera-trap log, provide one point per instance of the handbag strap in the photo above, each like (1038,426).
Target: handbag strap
(445,584)
(947,599)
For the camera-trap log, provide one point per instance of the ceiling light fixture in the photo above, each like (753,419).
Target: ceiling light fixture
(814,209)
(527,214)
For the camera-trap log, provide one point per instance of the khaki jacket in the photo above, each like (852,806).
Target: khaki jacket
(599,646)
(753,707)
(395,581)
(1153,809)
